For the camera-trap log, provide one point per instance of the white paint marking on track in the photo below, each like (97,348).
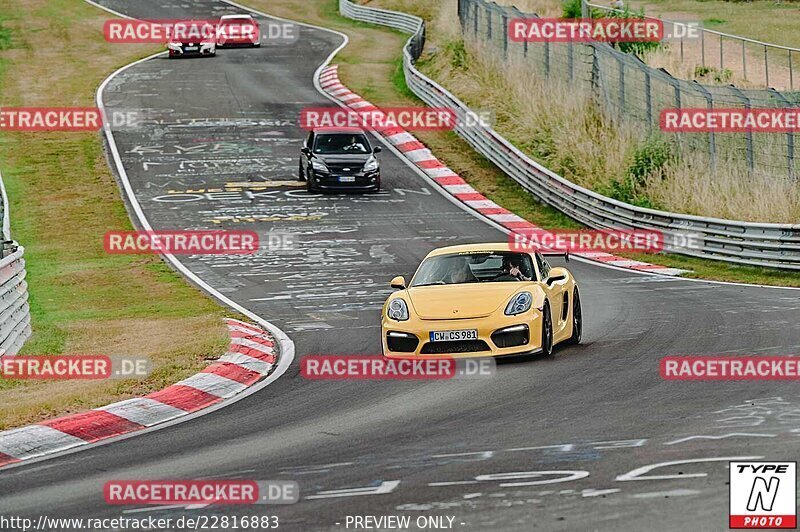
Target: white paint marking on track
(722,437)
(668,493)
(247,362)
(214,384)
(637,474)
(144,411)
(36,440)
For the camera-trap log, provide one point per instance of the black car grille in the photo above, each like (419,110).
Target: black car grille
(345,168)
(510,338)
(458,346)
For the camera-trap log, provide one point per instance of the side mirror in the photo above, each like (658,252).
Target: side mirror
(556,274)
(398,282)
(305,151)
(377,149)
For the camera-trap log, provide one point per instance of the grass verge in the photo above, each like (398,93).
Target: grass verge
(370,66)
(63,198)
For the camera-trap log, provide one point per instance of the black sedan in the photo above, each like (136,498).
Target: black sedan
(339,159)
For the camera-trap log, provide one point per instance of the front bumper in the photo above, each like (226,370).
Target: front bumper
(363,181)
(397,341)
(184,50)
(234,42)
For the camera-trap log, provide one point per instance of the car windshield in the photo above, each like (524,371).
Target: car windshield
(474,267)
(341,143)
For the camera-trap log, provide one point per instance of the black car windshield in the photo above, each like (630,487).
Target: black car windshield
(474,267)
(341,143)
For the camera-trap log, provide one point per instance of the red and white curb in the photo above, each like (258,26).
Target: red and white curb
(252,355)
(451,182)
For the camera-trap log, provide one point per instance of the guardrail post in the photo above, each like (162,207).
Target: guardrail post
(791,72)
(748,136)
(721,67)
(712,143)
(766,65)
(789,137)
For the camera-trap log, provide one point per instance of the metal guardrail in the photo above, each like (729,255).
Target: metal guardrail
(747,243)
(15,318)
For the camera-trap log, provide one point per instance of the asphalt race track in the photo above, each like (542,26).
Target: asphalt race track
(219,150)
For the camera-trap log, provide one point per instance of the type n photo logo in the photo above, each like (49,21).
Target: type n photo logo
(763,495)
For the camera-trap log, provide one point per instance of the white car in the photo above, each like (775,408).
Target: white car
(192,38)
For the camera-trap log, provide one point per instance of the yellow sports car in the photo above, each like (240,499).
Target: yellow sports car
(481,300)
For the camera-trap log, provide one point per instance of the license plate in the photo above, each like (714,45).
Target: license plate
(347,179)
(451,336)
(192,48)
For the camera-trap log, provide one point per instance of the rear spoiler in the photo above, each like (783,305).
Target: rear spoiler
(564,254)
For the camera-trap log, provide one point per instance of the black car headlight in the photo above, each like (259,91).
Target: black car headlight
(319,166)
(371,165)
(398,310)
(519,303)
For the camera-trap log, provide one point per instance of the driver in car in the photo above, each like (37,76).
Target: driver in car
(512,268)
(354,144)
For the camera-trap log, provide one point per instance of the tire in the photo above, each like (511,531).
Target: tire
(547,332)
(300,173)
(577,319)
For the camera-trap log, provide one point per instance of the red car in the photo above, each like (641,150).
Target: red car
(238,30)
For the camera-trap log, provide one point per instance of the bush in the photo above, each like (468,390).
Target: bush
(649,160)
(640,49)
(708,73)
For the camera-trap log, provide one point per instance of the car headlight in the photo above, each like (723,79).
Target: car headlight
(519,303)
(398,310)
(371,165)
(319,166)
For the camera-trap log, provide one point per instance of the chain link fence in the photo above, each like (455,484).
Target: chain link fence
(633,93)
(755,63)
